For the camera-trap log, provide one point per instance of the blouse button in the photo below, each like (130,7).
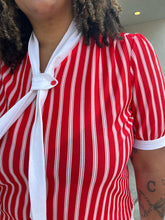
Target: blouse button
(53,82)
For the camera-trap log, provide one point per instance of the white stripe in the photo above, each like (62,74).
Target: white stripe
(8,84)
(29,81)
(3,173)
(129,48)
(135,98)
(134,92)
(160,71)
(23,74)
(129,204)
(22,156)
(82,137)
(70,133)
(21,168)
(5,214)
(158,90)
(48,126)
(15,88)
(121,123)
(21,164)
(50,114)
(11,168)
(58,138)
(5,74)
(126,75)
(144,98)
(114,175)
(94,137)
(121,102)
(149,85)
(1,93)
(140,131)
(120,196)
(13,186)
(3,110)
(125,210)
(106,141)
(1,90)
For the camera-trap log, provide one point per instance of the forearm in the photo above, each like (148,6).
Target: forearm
(149,170)
(151,195)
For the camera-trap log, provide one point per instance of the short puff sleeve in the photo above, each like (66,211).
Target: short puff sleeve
(148,96)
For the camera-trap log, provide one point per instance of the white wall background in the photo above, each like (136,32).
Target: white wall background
(155,33)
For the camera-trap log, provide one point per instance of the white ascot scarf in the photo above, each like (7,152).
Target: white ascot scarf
(41,83)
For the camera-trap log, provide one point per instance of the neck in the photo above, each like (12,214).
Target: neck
(49,34)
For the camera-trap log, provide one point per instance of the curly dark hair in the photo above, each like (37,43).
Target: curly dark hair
(93,18)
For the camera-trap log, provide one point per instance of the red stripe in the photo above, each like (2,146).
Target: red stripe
(114,92)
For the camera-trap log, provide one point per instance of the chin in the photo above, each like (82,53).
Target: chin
(43,6)
(43,9)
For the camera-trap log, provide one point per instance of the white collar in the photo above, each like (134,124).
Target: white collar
(41,83)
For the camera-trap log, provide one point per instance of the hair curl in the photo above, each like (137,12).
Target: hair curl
(93,18)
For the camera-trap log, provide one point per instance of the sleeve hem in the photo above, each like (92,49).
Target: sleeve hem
(149,144)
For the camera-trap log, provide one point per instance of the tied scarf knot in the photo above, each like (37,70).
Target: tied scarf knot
(43,81)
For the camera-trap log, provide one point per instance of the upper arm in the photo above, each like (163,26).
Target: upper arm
(149,160)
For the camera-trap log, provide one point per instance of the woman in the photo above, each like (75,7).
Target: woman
(76,96)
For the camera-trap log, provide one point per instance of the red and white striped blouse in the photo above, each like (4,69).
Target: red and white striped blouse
(107,100)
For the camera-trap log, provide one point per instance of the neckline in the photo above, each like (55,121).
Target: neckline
(68,42)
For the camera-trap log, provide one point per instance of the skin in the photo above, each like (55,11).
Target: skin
(150,180)
(50,20)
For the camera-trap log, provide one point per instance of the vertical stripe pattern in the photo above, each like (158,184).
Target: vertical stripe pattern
(105,98)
